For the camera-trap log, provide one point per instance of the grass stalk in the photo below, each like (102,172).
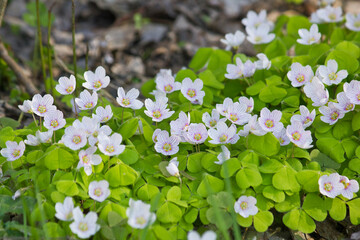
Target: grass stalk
(39,35)
(73,41)
(50,53)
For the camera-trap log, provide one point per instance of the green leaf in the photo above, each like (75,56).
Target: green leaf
(112,207)
(255,88)
(33,156)
(355,123)
(354,165)
(285,179)
(349,47)
(344,59)
(185,73)
(337,209)
(354,209)
(147,88)
(342,129)
(275,48)
(30,16)
(174,193)
(53,230)
(295,23)
(230,166)
(200,58)
(247,177)
(207,162)
(297,219)
(272,93)
(323,160)
(114,218)
(9,122)
(274,194)
(210,80)
(244,222)
(262,220)
(309,180)
(147,192)
(161,233)
(128,128)
(169,213)
(58,158)
(270,166)
(194,162)
(332,148)
(315,206)
(6,134)
(291,202)
(67,187)
(218,62)
(337,36)
(191,215)
(267,145)
(129,156)
(209,185)
(221,218)
(121,175)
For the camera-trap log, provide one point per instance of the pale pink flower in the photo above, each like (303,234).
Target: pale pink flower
(167,145)
(236,113)
(197,133)
(13,150)
(353,21)
(223,108)
(330,186)
(263,62)
(26,107)
(180,126)
(253,126)
(211,121)
(74,138)
(139,215)
(330,14)
(111,146)
(223,134)
(157,110)
(42,105)
(92,127)
(87,159)
(316,91)
(96,80)
(99,190)
(233,40)
(256,20)
(129,100)
(84,226)
(208,235)
(309,37)
(282,137)
(40,137)
(66,85)
(330,74)
(246,206)
(305,117)
(298,135)
(240,69)
(165,82)
(223,156)
(103,114)
(344,104)
(155,134)
(300,75)
(172,167)
(352,91)
(270,121)
(331,114)
(193,90)
(54,120)
(64,211)
(259,35)
(87,101)
(350,187)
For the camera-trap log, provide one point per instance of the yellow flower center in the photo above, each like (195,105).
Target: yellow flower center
(269,123)
(248,109)
(16,153)
(307,120)
(54,123)
(97,84)
(332,16)
(349,107)
(212,123)
(76,139)
(346,184)
(296,136)
(110,149)
(83,226)
(328,187)
(223,138)
(157,114)
(167,147)
(311,40)
(85,159)
(300,78)
(243,205)
(141,220)
(281,140)
(197,137)
(168,88)
(191,93)
(95,134)
(69,216)
(42,109)
(69,89)
(357,24)
(89,105)
(105,119)
(97,192)
(332,76)
(233,117)
(258,39)
(358,97)
(125,101)
(334,115)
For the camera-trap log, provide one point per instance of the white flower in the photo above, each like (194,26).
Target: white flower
(240,70)
(233,40)
(331,114)
(31,140)
(330,14)
(157,110)
(110,146)
(317,92)
(139,215)
(330,186)
(236,113)
(96,81)
(253,126)
(352,91)
(353,21)
(282,137)
(324,3)
(208,235)
(350,187)
(64,211)
(314,18)
(211,121)
(197,133)
(309,37)
(155,134)
(344,104)
(305,117)
(16,194)
(66,85)
(165,82)
(223,134)
(26,107)
(99,190)
(44,137)
(42,105)
(259,35)
(297,135)
(87,159)
(129,100)
(13,150)
(167,145)
(172,167)
(299,75)
(256,20)
(103,114)
(54,120)
(87,101)
(180,126)
(223,156)
(263,62)
(330,75)
(223,108)
(92,127)
(74,138)
(245,206)
(84,226)
(249,68)
(270,121)
(193,90)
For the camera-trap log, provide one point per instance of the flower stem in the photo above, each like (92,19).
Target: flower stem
(73,38)
(34,119)
(39,35)
(122,115)
(40,125)
(49,53)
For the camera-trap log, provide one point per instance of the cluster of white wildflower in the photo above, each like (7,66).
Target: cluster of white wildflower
(334,185)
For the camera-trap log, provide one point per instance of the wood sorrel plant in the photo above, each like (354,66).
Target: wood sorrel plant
(230,141)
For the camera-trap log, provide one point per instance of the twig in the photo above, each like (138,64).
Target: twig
(2,9)
(18,70)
